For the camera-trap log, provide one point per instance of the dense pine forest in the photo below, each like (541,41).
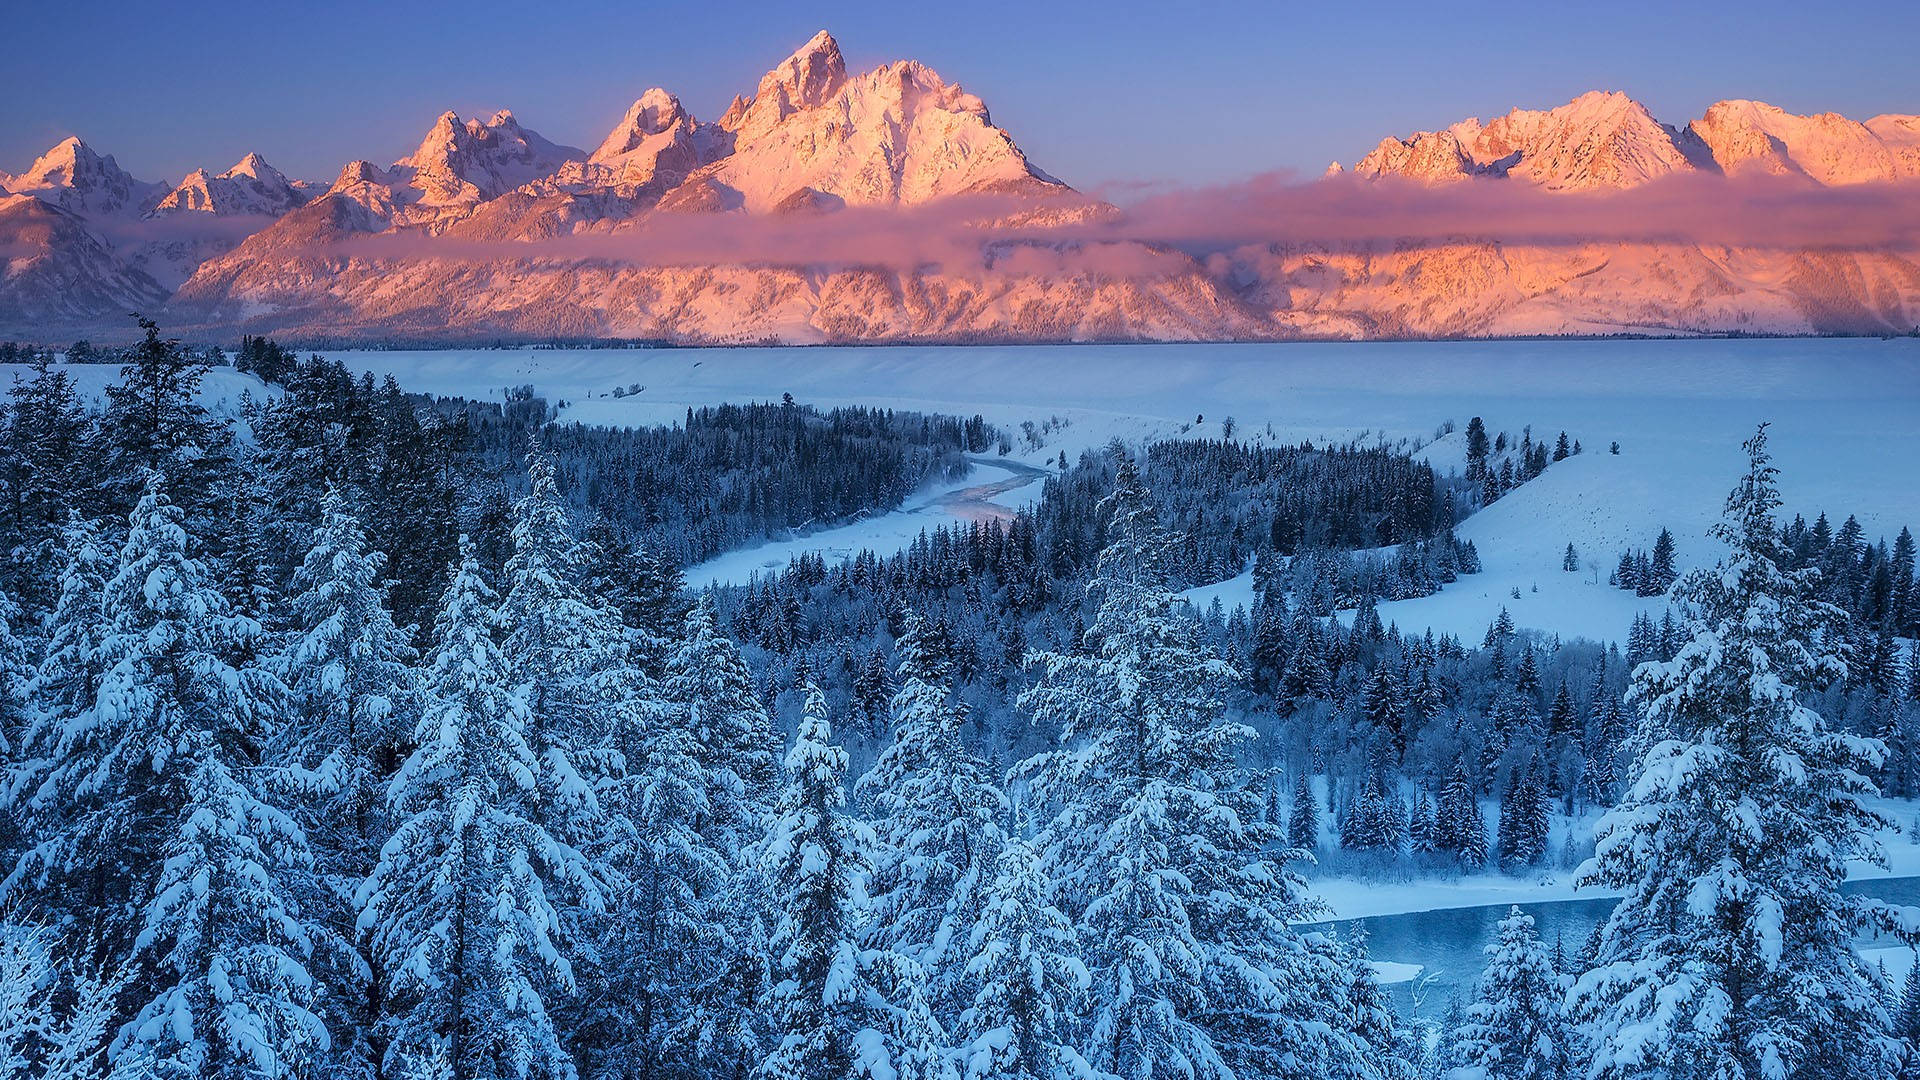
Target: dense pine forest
(364,734)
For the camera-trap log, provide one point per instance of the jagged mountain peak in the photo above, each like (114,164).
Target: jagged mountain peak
(255,166)
(805,80)
(464,163)
(1605,139)
(1432,157)
(356,172)
(1601,139)
(73,177)
(250,187)
(656,111)
(812,73)
(899,134)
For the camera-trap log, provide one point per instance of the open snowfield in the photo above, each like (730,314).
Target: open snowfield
(221,391)
(1844,414)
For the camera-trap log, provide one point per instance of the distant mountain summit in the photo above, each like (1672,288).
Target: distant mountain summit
(75,179)
(251,188)
(1607,140)
(490,230)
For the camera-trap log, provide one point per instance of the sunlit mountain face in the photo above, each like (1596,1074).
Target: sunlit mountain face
(829,205)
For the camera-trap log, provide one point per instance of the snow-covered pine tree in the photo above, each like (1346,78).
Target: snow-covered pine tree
(816,861)
(1303,824)
(26,990)
(1421,825)
(709,692)
(1379,1048)
(236,998)
(61,686)
(53,1025)
(1524,822)
(351,683)
(710,689)
(74,1046)
(1026,979)
(16,681)
(45,464)
(154,422)
(1181,897)
(667,942)
(1731,955)
(354,699)
(567,655)
(592,718)
(1459,827)
(147,829)
(461,907)
(1906,1021)
(1518,1028)
(936,812)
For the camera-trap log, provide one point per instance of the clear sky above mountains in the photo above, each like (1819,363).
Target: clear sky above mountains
(1106,96)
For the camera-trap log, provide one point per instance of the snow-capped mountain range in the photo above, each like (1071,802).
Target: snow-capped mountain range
(467,236)
(1609,141)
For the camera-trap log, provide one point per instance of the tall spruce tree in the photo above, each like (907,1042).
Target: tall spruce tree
(154,422)
(354,702)
(709,692)
(1518,1029)
(149,827)
(1181,898)
(45,474)
(1731,955)
(1303,824)
(461,907)
(936,813)
(1026,976)
(816,860)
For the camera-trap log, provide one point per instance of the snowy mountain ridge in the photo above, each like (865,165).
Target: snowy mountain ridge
(1607,140)
(432,245)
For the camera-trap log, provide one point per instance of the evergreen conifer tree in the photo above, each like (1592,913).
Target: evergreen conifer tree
(1731,954)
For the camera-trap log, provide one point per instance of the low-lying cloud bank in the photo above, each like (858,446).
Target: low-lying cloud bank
(1014,236)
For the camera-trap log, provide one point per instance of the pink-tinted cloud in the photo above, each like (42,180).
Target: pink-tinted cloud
(1703,208)
(999,235)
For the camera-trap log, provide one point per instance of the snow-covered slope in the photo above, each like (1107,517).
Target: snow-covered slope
(58,274)
(1679,410)
(1827,148)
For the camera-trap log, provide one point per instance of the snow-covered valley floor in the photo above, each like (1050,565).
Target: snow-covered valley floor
(978,496)
(1844,412)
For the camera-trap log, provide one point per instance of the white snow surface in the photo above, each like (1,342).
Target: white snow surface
(220,392)
(1843,411)
(935,505)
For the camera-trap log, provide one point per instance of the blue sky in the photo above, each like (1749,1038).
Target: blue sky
(1102,95)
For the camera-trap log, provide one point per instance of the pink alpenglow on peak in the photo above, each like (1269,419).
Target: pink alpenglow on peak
(1608,141)
(74,178)
(251,187)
